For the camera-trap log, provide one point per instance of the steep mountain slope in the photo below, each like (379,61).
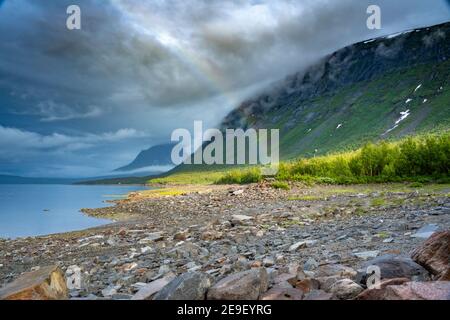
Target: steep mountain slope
(382,88)
(159,155)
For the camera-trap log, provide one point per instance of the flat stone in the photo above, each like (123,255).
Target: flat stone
(246,285)
(237,192)
(367,254)
(426,231)
(240,219)
(302,245)
(188,286)
(47,283)
(147,291)
(437,290)
(153,237)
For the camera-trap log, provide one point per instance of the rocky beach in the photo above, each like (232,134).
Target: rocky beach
(248,242)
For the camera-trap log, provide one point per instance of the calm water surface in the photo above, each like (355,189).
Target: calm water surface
(31,210)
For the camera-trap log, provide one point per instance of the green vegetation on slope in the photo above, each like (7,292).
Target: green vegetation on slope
(364,111)
(421,159)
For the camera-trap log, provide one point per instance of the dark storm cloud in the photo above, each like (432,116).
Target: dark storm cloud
(156,65)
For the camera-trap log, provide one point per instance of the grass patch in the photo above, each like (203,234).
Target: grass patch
(378,202)
(252,175)
(280,185)
(195,177)
(421,159)
(306,198)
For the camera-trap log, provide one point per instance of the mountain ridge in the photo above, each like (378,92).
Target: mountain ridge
(401,81)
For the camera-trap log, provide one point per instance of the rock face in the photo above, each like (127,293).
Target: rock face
(47,283)
(188,286)
(434,255)
(246,285)
(392,267)
(438,290)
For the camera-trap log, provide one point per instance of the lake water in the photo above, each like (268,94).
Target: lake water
(31,210)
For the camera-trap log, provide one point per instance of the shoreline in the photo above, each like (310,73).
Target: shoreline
(225,229)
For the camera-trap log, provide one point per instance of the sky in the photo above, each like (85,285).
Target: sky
(79,103)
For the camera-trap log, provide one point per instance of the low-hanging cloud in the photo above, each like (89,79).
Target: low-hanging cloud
(158,65)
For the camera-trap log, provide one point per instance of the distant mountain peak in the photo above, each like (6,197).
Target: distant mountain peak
(159,155)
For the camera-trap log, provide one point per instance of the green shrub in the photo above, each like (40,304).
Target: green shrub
(421,159)
(252,175)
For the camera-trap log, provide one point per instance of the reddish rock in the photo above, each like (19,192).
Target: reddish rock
(256,264)
(47,283)
(434,255)
(378,294)
(282,293)
(122,232)
(307,285)
(335,270)
(211,235)
(437,290)
(180,236)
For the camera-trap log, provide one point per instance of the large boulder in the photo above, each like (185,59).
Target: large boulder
(47,283)
(392,267)
(188,286)
(434,255)
(437,290)
(246,285)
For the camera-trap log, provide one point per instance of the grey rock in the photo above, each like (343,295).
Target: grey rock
(188,286)
(310,265)
(367,254)
(246,285)
(392,267)
(426,231)
(147,291)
